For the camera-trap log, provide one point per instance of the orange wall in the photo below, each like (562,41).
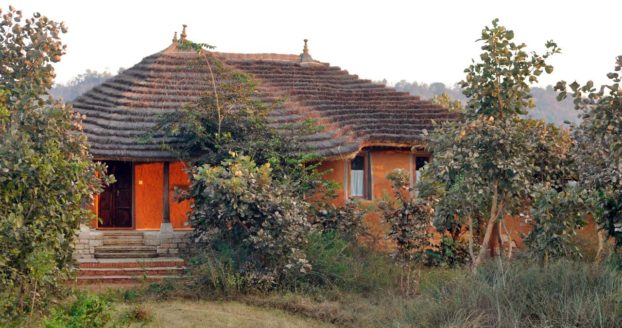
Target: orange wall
(179,210)
(148,185)
(383,162)
(334,171)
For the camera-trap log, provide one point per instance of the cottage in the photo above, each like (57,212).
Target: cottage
(368,130)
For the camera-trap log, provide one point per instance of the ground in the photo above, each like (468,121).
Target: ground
(218,315)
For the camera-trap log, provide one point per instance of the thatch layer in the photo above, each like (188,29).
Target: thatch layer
(353,112)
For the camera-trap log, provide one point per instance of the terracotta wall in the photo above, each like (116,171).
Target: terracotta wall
(148,186)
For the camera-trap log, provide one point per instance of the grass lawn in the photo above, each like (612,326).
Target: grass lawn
(179,313)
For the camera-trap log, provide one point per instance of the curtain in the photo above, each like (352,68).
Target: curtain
(357,178)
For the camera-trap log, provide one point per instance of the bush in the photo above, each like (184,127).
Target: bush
(250,224)
(88,310)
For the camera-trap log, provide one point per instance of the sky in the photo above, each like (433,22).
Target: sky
(425,41)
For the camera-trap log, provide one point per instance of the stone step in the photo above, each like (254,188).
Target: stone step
(132,262)
(123,279)
(119,242)
(124,248)
(148,271)
(125,255)
(107,233)
(124,237)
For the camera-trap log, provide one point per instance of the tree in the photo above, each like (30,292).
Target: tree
(495,156)
(598,153)
(445,100)
(79,85)
(228,118)
(47,177)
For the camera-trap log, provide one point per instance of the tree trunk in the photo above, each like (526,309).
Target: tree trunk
(471,246)
(602,244)
(509,234)
(495,209)
(485,242)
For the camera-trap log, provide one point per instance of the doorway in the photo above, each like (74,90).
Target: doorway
(115,202)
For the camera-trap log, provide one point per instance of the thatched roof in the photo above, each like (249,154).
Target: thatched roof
(353,112)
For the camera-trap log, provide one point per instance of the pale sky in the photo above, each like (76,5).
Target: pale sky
(425,41)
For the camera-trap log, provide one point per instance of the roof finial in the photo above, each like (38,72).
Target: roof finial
(305,58)
(175,37)
(183,32)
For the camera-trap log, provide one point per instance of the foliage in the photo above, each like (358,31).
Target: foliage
(451,252)
(47,177)
(491,161)
(239,208)
(555,216)
(444,100)
(599,147)
(88,310)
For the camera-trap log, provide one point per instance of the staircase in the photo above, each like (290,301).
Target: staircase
(124,244)
(124,271)
(124,258)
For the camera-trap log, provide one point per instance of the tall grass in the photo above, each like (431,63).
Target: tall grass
(565,294)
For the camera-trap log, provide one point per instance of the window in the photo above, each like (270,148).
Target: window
(420,162)
(357,177)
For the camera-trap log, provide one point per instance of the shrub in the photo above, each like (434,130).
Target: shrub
(88,310)
(409,219)
(136,313)
(253,222)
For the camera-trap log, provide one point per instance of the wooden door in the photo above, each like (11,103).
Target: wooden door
(115,202)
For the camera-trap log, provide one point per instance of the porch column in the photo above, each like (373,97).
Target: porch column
(166,218)
(166,228)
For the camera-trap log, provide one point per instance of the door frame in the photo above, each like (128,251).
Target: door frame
(132,205)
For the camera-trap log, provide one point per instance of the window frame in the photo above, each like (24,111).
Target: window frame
(366,177)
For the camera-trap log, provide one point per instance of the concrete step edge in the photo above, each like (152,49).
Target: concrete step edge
(128,277)
(133,269)
(132,260)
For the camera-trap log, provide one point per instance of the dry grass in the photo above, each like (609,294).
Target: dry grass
(218,315)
